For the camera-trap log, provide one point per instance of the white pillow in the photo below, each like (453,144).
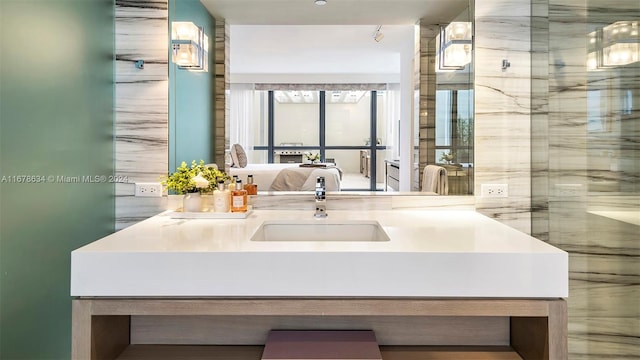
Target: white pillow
(234,157)
(238,156)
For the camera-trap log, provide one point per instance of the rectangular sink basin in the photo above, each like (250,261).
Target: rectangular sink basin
(320,230)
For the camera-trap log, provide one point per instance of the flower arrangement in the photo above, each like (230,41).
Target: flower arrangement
(196,178)
(448,157)
(312,157)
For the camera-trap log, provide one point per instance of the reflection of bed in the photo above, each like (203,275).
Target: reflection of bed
(270,177)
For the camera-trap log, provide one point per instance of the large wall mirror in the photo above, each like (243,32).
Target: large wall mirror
(378,91)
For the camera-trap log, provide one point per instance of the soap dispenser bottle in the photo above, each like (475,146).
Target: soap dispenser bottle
(231,188)
(232,184)
(252,189)
(221,199)
(239,198)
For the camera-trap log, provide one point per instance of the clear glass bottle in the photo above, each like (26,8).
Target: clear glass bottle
(232,184)
(231,187)
(221,198)
(239,198)
(252,189)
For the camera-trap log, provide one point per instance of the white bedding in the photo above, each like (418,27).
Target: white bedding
(264,174)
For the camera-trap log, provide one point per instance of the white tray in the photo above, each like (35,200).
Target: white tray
(179,214)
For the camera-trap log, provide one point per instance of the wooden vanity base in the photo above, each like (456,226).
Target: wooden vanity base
(406,328)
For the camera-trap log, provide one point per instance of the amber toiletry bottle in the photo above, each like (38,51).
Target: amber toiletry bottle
(239,198)
(252,189)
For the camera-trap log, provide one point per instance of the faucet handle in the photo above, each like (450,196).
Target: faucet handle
(321,209)
(320,188)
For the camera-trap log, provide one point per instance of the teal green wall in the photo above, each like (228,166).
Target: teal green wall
(191,95)
(56,119)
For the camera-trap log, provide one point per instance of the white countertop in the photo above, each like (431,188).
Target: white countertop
(628,216)
(430,254)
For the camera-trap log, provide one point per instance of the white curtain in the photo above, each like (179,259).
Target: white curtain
(392,107)
(242,112)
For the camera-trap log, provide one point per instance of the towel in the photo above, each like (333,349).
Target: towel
(434,179)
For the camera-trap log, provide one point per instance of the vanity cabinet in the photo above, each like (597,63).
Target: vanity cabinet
(235,328)
(170,288)
(392,175)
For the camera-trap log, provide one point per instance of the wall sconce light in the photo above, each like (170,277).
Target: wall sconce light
(454,46)
(614,45)
(620,43)
(190,46)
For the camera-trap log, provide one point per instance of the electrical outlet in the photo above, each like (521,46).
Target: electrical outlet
(149,189)
(495,190)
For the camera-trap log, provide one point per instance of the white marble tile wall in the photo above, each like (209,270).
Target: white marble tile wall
(567,162)
(540,119)
(587,173)
(503,109)
(141,100)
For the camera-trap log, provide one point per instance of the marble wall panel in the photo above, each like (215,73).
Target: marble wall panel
(566,131)
(222,87)
(418,202)
(503,109)
(600,338)
(502,8)
(135,209)
(588,179)
(540,119)
(141,101)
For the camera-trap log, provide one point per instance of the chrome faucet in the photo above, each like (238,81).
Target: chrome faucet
(321,199)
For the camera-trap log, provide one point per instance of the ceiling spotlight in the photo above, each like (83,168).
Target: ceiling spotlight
(377,35)
(321,2)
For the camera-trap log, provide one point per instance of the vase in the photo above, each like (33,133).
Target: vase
(192,202)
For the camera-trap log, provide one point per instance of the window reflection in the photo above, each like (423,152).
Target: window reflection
(337,124)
